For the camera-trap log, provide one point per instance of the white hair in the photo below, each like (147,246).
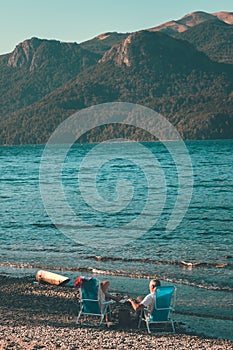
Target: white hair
(154,283)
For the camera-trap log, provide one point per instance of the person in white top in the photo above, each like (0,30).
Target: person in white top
(105,296)
(149,300)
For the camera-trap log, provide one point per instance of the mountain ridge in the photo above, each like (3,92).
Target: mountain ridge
(192,19)
(178,75)
(37,67)
(156,82)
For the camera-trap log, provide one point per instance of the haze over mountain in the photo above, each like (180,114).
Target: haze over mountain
(187,76)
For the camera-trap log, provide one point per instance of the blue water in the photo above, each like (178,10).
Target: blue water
(30,239)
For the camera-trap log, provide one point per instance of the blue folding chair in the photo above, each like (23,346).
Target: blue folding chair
(90,303)
(163,309)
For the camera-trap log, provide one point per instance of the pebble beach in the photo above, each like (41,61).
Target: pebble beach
(41,316)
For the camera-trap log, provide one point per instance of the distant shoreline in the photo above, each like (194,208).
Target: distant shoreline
(96,143)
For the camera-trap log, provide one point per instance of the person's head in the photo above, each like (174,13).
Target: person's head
(105,285)
(153,284)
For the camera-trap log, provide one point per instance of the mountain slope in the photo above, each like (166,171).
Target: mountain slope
(103,42)
(214,38)
(44,81)
(191,20)
(35,68)
(149,68)
(225,16)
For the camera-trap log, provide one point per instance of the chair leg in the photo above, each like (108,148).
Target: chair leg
(148,327)
(173,327)
(79,315)
(102,318)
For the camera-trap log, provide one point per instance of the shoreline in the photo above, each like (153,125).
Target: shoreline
(38,316)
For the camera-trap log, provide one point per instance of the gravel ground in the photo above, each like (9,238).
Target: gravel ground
(43,317)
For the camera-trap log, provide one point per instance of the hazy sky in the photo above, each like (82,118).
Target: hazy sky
(80,20)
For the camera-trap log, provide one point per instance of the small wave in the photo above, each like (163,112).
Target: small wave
(115,273)
(160,262)
(51,225)
(19,266)
(209,218)
(44,225)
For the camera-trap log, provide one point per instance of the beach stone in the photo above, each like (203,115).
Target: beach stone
(35,317)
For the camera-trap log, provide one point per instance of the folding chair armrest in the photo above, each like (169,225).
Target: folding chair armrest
(107,302)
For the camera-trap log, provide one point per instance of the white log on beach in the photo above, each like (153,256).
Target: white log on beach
(51,277)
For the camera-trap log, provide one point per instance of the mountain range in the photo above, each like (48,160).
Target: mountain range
(182,69)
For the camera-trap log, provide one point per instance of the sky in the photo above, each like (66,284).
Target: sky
(81,20)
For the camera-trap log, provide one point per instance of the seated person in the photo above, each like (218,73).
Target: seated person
(149,300)
(104,295)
